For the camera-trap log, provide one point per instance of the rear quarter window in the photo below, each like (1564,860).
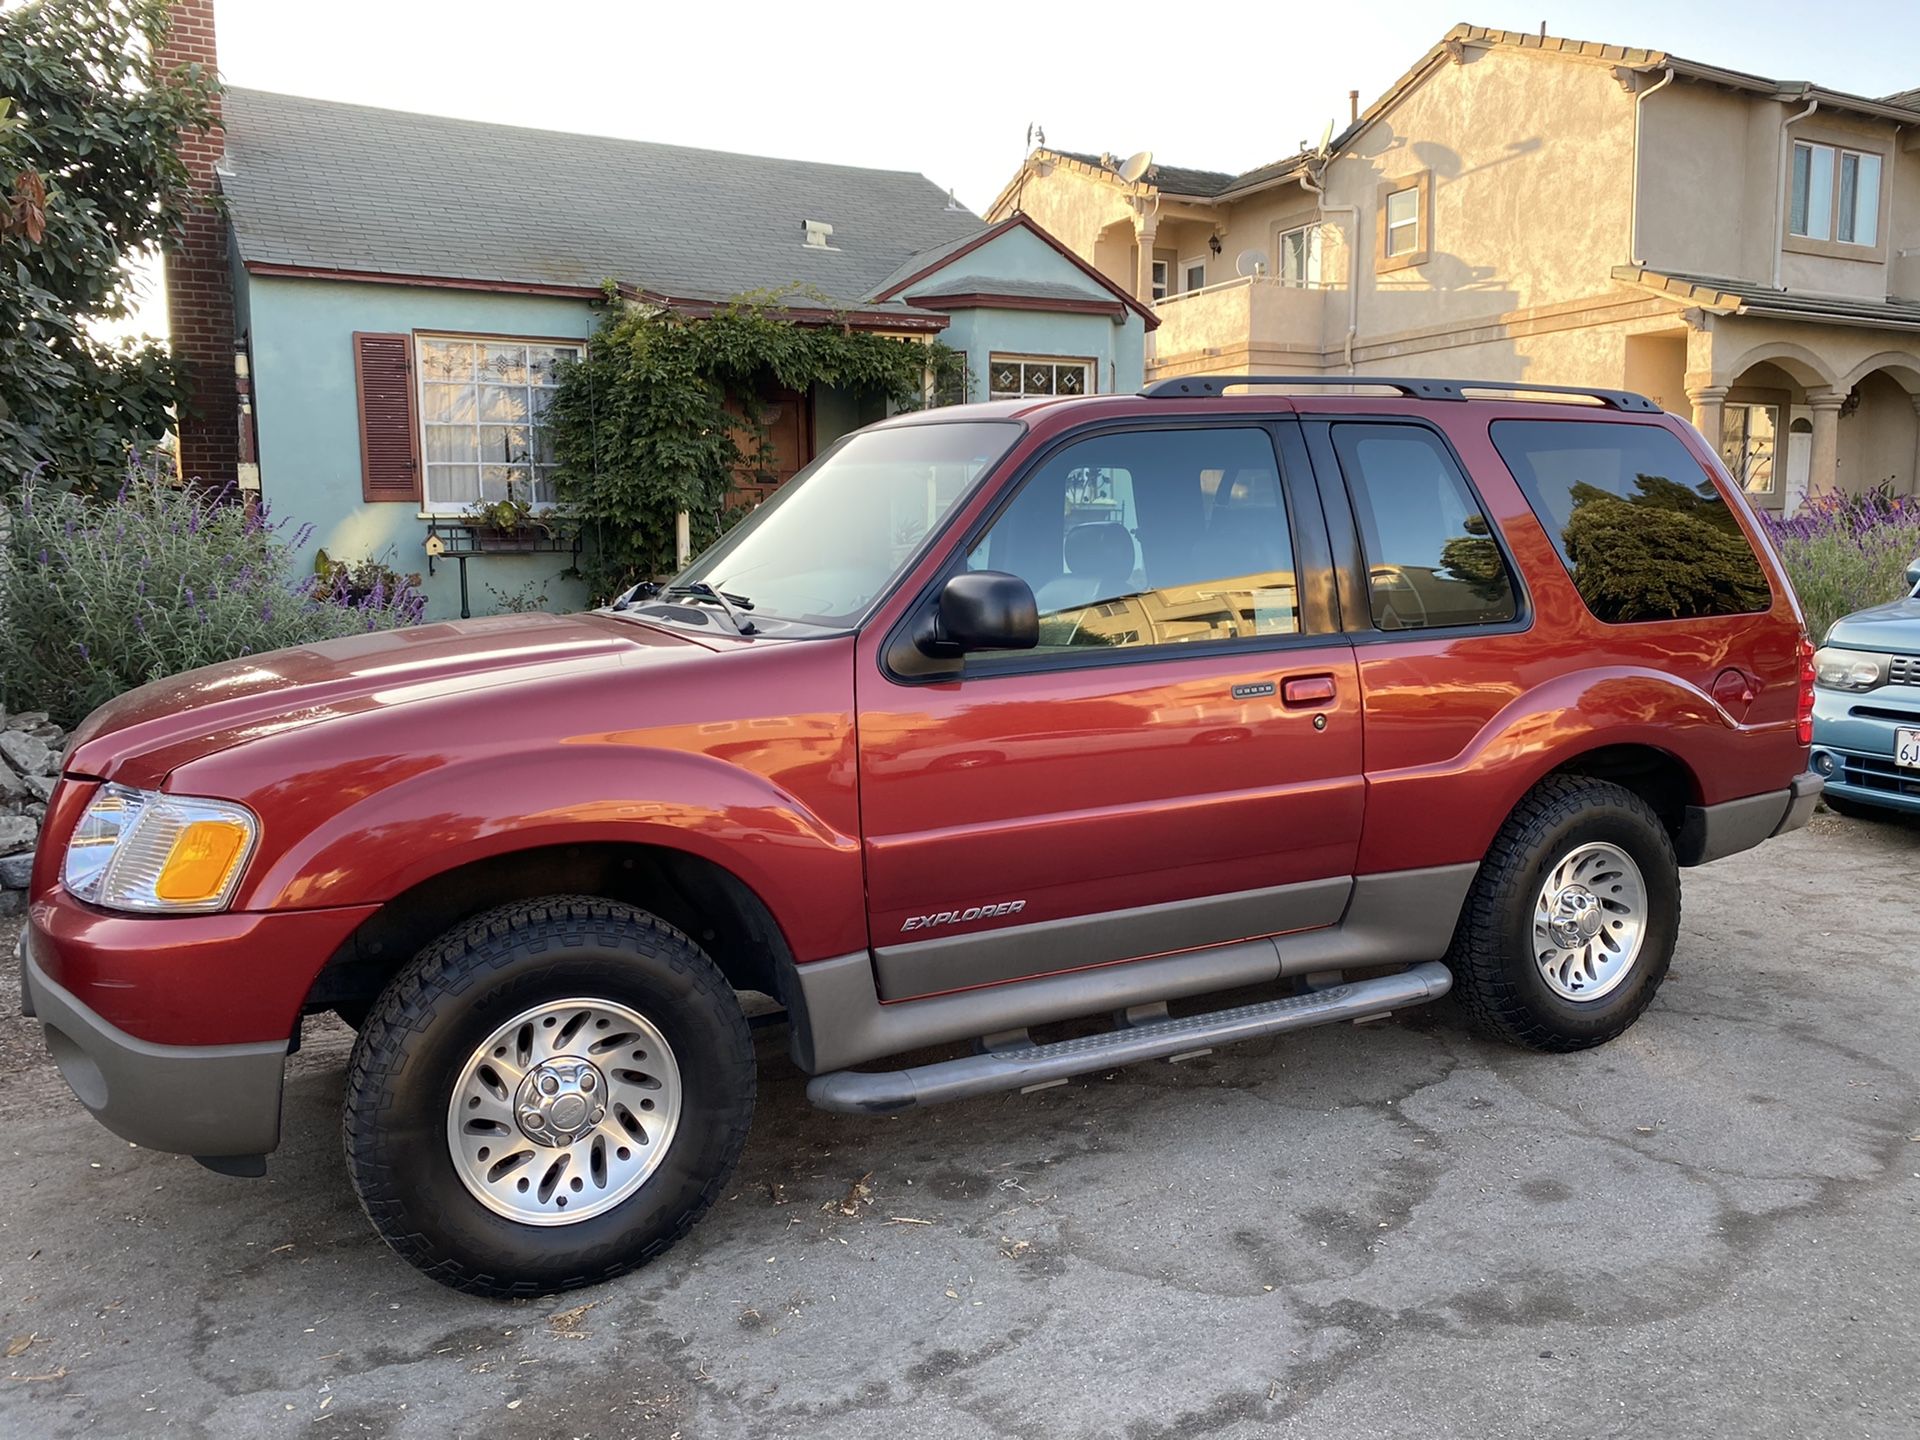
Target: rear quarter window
(1641,527)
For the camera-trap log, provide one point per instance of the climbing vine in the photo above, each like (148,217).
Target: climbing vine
(662,415)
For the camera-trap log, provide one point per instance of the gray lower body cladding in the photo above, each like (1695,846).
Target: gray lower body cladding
(840,1018)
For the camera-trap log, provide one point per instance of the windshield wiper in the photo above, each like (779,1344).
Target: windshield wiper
(730,605)
(645,590)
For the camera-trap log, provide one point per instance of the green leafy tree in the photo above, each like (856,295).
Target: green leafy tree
(660,417)
(90,180)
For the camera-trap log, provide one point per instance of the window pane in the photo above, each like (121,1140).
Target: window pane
(1070,379)
(446,360)
(1003,377)
(1747,445)
(1431,556)
(544,362)
(1866,210)
(543,491)
(1403,207)
(1155,538)
(453,484)
(502,364)
(504,444)
(503,402)
(1802,173)
(505,482)
(447,403)
(451,443)
(542,445)
(1642,529)
(1037,379)
(1820,193)
(1196,277)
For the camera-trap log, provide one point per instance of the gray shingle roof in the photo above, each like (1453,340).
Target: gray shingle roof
(317,183)
(946,285)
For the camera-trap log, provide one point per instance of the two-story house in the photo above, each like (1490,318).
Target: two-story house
(1518,207)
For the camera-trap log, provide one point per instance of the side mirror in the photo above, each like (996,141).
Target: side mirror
(980,610)
(1913,574)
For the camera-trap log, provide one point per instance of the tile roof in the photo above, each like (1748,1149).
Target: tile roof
(330,186)
(1748,297)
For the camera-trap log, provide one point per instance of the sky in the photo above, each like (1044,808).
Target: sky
(949,90)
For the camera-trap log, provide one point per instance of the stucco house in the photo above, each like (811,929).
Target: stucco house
(1519,207)
(374,323)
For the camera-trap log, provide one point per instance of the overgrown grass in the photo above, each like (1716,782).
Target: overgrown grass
(1847,552)
(99,596)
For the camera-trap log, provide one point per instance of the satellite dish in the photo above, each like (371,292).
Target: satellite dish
(1250,262)
(1326,140)
(1135,166)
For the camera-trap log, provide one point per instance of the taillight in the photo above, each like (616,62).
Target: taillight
(1804,714)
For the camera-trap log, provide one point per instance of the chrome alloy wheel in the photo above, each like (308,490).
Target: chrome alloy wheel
(564,1112)
(1589,921)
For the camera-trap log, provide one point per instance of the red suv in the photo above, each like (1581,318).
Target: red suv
(999,716)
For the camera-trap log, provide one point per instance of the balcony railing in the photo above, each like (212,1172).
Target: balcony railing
(1241,320)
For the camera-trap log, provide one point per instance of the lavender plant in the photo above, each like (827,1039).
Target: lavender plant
(99,596)
(1846,552)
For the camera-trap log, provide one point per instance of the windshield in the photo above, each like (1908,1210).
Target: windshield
(831,540)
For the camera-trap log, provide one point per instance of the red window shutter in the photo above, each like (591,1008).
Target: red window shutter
(389,439)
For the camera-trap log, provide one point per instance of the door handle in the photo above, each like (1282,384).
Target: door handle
(1304,690)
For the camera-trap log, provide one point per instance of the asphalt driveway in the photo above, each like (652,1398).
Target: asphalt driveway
(1710,1227)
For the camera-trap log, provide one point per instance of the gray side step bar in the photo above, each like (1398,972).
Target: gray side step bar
(1024,1066)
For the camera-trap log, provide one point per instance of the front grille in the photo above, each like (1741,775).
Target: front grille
(1875,772)
(1905,670)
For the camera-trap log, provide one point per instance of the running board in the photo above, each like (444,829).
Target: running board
(1026,1066)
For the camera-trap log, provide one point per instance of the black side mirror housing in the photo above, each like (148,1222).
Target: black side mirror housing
(980,610)
(1913,574)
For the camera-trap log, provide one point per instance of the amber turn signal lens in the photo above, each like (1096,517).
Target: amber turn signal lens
(200,861)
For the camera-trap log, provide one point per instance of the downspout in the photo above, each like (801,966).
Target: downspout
(1633,203)
(1785,183)
(1352,212)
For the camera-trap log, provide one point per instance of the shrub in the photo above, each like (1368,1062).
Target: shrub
(1844,553)
(99,596)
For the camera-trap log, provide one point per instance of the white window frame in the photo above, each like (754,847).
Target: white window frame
(1738,447)
(1310,252)
(1411,225)
(1089,370)
(1162,281)
(1187,267)
(535,470)
(1839,154)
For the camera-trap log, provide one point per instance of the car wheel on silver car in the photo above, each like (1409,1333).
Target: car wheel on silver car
(548,1096)
(1571,922)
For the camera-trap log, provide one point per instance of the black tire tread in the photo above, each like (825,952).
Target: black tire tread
(453,964)
(1483,986)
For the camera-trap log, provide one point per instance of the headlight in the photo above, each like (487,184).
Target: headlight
(142,850)
(1839,669)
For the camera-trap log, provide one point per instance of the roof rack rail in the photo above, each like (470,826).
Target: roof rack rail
(1419,388)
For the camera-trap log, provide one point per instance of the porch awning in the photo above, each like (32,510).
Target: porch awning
(1744,297)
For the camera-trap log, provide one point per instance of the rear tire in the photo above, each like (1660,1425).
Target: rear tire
(1571,922)
(566,992)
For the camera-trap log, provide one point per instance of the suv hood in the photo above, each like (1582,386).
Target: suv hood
(147,732)
(1895,626)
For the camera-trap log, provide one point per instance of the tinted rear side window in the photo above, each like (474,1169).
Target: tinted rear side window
(1641,528)
(1432,560)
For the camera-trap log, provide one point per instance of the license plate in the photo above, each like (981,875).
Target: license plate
(1906,749)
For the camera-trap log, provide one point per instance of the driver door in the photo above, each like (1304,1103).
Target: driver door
(1177,764)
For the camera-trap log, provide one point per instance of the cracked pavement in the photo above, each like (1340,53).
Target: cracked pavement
(1707,1227)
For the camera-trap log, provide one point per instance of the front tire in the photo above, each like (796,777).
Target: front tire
(1571,922)
(548,1096)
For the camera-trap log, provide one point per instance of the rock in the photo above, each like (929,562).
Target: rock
(16,831)
(27,719)
(49,732)
(42,785)
(30,754)
(35,809)
(16,870)
(12,787)
(12,902)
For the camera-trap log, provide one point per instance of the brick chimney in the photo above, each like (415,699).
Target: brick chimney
(199,285)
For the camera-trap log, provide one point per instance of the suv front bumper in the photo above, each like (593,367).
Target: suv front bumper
(202,1100)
